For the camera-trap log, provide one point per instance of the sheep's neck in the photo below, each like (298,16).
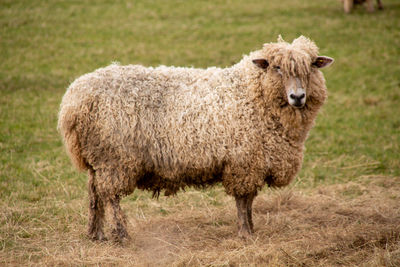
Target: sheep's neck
(291,123)
(295,123)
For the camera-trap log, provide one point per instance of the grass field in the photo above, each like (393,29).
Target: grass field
(343,208)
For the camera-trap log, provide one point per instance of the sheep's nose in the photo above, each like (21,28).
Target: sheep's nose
(297,97)
(297,100)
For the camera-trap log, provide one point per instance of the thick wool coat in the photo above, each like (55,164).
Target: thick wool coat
(166,128)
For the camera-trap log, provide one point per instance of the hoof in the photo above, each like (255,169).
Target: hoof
(99,236)
(244,234)
(120,237)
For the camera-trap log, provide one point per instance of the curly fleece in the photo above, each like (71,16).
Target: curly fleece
(166,128)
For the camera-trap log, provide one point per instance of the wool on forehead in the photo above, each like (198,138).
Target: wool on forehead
(293,58)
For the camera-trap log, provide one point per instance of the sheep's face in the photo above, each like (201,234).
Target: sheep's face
(292,75)
(295,92)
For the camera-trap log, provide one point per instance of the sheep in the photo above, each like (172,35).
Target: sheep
(165,128)
(348,4)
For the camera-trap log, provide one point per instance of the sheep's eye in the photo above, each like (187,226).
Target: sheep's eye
(278,69)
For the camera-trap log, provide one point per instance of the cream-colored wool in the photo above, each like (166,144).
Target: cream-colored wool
(165,128)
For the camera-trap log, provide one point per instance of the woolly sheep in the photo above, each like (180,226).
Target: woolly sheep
(165,128)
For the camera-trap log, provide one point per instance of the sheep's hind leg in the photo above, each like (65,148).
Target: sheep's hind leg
(118,232)
(244,209)
(96,211)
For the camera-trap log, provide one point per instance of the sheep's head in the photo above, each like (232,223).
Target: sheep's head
(290,66)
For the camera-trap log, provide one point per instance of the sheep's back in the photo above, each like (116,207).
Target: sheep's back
(169,120)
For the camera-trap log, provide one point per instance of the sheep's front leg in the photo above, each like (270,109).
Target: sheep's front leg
(119,232)
(244,209)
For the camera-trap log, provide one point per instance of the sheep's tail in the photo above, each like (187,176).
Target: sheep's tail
(67,123)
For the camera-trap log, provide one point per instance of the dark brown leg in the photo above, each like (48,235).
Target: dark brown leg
(380,6)
(244,209)
(250,212)
(119,232)
(96,211)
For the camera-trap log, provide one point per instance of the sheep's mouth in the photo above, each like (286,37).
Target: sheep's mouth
(298,105)
(295,105)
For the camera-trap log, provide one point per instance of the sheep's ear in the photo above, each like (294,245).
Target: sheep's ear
(322,62)
(261,63)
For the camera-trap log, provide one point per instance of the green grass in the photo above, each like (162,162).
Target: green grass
(45,45)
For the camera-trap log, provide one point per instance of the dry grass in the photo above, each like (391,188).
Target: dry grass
(357,223)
